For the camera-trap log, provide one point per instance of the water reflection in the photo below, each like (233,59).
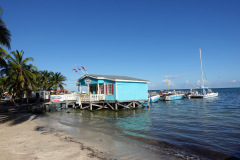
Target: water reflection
(137,124)
(203,126)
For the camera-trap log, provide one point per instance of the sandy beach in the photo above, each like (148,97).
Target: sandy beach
(21,138)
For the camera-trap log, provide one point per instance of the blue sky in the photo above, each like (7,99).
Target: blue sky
(145,39)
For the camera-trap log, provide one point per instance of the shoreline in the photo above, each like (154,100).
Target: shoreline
(22,138)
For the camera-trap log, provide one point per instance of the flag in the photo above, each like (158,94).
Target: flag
(84,68)
(79,69)
(74,69)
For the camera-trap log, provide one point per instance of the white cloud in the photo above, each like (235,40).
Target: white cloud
(234,81)
(178,76)
(170,83)
(199,82)
(187,82)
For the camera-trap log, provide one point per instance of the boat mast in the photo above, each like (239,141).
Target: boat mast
(167,83)
(201,66)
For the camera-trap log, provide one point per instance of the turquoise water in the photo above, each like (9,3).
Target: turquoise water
(188,128)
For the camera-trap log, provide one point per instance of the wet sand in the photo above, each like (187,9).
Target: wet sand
(110,142)
(22,138)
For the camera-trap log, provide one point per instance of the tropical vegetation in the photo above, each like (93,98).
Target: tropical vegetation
(22,78)
(5,38)
(18,76)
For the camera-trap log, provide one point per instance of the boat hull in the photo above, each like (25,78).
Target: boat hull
(210,95)
(153,99)
(196,96)
(174,97)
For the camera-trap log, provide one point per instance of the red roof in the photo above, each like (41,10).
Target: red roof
(59,90)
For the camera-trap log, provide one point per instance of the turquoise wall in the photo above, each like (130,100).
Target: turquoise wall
(93,81)
(101,81)
(125,90)
(110,97)
(131,91)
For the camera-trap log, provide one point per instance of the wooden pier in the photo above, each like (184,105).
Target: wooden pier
(98,105)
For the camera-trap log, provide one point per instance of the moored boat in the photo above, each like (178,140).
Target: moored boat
(205,91)
(153,99)
(172,97)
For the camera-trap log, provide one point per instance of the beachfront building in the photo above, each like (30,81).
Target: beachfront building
(112,91)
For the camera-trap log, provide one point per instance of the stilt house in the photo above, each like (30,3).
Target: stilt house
(112,88)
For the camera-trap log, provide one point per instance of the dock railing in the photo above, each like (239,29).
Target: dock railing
(77,97)
(92,97)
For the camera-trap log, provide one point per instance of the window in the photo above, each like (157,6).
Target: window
(109,89)
(101,89)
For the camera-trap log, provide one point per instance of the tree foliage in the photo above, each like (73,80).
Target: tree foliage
(5,35)
(17,75)
(5,38)
(21,78)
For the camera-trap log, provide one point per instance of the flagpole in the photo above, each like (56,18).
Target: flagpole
(80,69)
(76,71)
(84,69)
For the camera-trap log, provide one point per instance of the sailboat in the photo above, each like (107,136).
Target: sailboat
(205,92)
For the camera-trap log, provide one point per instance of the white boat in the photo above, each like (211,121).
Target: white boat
(205,92)
(202,93)
(153,99)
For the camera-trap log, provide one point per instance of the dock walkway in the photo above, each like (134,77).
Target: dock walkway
(114,105)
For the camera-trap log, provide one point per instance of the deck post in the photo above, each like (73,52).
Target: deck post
(133,104)
(66,104)
(98,92)
(116,106)
(90,106)
(148,105)
(88,89)
(73,106)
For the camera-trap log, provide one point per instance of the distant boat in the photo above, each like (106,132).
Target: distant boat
(205,92)
(153,99)
(170,96)
(173,97)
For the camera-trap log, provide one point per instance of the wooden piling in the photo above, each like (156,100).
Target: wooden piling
(90,106)
(73,105)
(116,106)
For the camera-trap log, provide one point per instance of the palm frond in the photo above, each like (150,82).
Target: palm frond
(4,35)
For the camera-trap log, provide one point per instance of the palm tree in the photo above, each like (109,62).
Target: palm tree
(21,78)
(3,63)
(46,78)
(4,41)
(4,33)
(3,82)
(57,81)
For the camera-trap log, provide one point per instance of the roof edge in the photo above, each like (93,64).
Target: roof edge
(115,80)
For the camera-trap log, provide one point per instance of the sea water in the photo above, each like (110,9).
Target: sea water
(188,128)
